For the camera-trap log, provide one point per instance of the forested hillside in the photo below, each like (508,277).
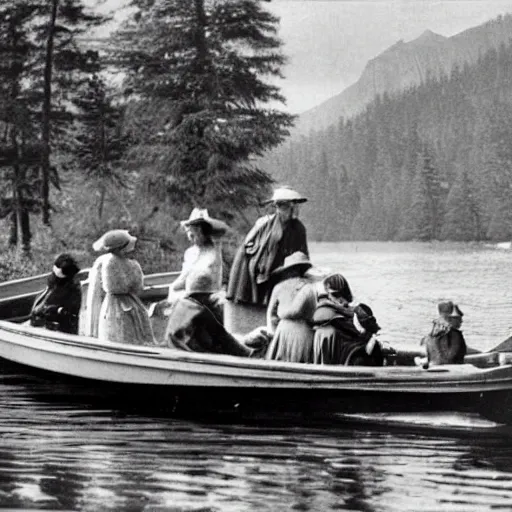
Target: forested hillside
(433,162)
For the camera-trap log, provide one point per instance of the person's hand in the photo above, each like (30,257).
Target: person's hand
(50,310)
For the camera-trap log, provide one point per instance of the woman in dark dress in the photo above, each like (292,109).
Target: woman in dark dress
(268,243)
(57,307)
(344,333)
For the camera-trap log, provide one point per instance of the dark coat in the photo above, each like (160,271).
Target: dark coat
(444,344)
(264,249)
(192,326)
(337,341)
(57,307)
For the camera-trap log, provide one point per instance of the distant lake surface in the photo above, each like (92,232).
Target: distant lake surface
(60,452)
(403,282)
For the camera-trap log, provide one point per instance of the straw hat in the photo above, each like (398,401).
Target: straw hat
(286,194)
(296,260)
(199,216)
(113,240)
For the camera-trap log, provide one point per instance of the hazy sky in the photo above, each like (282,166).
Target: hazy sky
(329,42)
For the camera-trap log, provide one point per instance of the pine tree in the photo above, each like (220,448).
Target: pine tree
(61,22)
(100,144)
(205,61)
(19,149)
(461,220)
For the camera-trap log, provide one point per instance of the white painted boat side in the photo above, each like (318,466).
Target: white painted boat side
(125,363)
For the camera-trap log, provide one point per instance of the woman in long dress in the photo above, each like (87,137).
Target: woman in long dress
(114,310)
(290,311)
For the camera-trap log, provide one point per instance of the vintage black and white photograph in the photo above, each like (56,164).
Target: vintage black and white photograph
(256,255)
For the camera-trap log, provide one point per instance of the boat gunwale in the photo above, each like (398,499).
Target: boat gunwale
(402,375)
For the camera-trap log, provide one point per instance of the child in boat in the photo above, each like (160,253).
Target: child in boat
(194,327)
(290,312)
(114,310)
(445,344)
(57,307)
(344,333)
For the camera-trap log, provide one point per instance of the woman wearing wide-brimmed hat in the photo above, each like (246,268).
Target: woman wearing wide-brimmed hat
(290,311)
(114,310)
(268,243)
(205,255)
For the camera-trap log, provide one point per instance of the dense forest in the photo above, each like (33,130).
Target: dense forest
(168,112)
(433,162)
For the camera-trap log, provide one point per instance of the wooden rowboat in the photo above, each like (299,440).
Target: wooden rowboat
(483,384)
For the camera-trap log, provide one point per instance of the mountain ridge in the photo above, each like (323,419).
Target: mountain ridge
(405,64)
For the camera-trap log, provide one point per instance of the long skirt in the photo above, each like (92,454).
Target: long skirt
(124,319)
(331,347)
(292,342)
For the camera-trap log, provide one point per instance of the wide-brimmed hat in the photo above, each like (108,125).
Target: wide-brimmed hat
(200,216)
(449,309)
(284,195)
(296,260)
(113,240)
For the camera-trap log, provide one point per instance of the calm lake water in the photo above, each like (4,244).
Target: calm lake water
(62,452)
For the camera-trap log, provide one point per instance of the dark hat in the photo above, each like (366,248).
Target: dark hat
(296,260)
(200,216)
(449,309)
(366,319)
(65,266)
(337,284)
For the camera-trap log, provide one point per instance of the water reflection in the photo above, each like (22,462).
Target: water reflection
(64,454)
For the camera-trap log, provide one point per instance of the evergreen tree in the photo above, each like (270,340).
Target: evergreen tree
(100,144)
(19,150)
(206,60)
(461,220)
(59,23)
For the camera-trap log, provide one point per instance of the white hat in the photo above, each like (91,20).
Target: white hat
(115,239)
(199,216)
(286,194)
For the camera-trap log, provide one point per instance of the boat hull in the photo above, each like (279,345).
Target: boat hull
(152,375)
(202,382)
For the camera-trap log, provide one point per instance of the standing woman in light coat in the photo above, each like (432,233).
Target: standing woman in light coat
(114,310)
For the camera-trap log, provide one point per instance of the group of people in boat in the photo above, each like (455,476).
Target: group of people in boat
(308,320)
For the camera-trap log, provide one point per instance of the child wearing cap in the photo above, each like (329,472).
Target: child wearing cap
(445,344)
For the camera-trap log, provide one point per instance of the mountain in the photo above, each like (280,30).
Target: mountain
(406,64)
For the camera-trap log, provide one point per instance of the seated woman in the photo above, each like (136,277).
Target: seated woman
(194,327)
(205,255)
(57,307)
(445,344)
(114,310)
(290,311)
(343,333)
